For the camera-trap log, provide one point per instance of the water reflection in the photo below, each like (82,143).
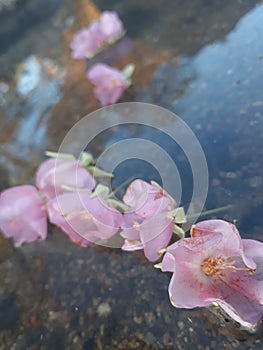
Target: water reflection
(38,89)
(219,93)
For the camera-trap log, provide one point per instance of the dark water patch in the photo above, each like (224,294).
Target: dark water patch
(183,27)
(23,17)
(8,311)
(159,140)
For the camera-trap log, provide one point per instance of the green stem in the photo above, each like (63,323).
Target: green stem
(211,211)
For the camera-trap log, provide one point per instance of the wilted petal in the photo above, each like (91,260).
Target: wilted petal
(54,173)
(22,214)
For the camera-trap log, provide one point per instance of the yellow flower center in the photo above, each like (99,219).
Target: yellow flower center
(216,267)
(136,225)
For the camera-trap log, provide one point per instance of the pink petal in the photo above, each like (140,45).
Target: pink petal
(54,173)
(110,83)
(238,289)
(242,309)
(189,286)
(106,219)
(147,200)
(111,26)
(231,244)
(87,42)
(22,214)
(109,96)
(84,219)
(168,262)
(64,212)
(254,250)
(132,245)
(149,207)
(160,241)
(101,74)
(129,227)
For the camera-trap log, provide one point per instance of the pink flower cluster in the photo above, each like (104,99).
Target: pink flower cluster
(58,196)
(213,266)
(109,82)
(146,224)
(89,41)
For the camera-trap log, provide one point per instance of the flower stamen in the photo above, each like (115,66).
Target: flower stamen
(217,267)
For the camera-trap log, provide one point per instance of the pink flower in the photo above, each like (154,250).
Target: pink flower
(216,265)
(84,219)
(87,42)
(111,26)
(110,83)
(146,226)
(22,214)
(54,173)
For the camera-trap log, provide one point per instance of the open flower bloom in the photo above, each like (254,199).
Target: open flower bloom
(23,216)
(111,26)
(83,218)
(55,174)
(147,225)
(216,265)
(110,83)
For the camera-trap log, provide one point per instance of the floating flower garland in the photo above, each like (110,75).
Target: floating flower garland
(214,265)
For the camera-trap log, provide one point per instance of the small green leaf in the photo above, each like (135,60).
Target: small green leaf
(101,191)
(95,171)
(178,231)
(86,159)
(65,156)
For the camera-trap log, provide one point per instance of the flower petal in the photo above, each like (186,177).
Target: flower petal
(132,245)
(87,42)
(159,242)
(84,219)
(22,214)
(110,83)
(241,308)
(231,244)
(55,173)
(111,26)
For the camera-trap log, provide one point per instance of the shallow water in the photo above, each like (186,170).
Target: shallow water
(203,61)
